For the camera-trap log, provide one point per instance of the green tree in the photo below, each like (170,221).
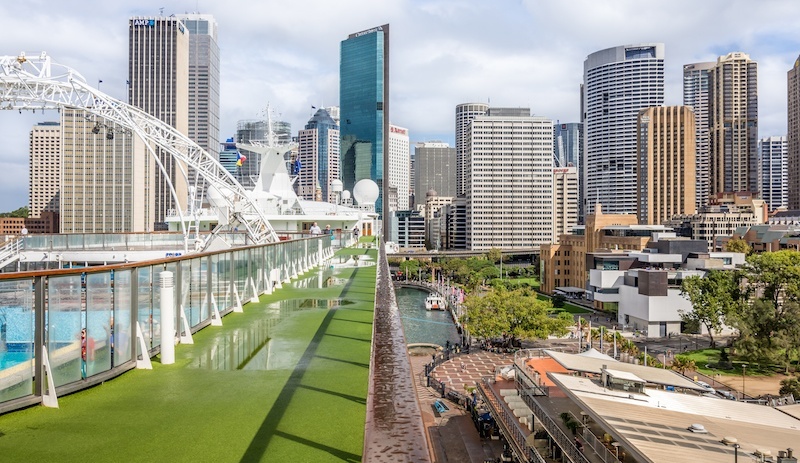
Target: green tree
(790,386)
(713,297)
(682,363)
(21,212)
(518,314)
(410,267)
(495,255)
(738,245)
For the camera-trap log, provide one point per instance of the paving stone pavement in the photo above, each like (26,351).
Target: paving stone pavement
(465,370)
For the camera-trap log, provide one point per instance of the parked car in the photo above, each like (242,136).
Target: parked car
(706,386)
(726,395)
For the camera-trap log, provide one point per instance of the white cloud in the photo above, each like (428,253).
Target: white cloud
(443,52)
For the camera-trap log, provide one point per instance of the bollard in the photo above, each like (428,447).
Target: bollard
(167,318)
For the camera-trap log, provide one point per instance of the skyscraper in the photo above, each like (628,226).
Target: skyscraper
(565,200)
(364,106)
(45,168)
(666,163)
(774,172)
(793,134)
(696,88)
(399,159)
(465,112)
(318,152)
(203,80)
(568,151)
(733,123)
(256,130)
(434,169)
(509,180)
(158,74)
(618,83)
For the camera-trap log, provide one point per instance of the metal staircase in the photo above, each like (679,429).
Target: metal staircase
(9,252)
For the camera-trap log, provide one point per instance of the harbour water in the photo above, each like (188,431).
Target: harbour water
(422,325)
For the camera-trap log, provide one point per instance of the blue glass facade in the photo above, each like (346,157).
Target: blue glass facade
(363,101)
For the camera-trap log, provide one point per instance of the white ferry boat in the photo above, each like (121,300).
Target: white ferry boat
(434,302)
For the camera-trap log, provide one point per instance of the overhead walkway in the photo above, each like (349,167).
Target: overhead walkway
(285,380)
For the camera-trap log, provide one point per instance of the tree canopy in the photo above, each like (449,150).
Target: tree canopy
(21,212)
(738,245)
(713,297)
(518,314)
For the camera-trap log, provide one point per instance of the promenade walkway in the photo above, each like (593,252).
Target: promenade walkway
(284,381)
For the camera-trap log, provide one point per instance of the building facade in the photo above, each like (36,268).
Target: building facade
(565,200)
(696,88)
(399,166)
(107,173)
(733,124)
(509,180)
(318,151)
(793,134)
(158,76)
(618,83)
(465,112)
(257,130)
(774,171)
(666,164)
(364,106)
(434,169)
(568,151)
(44,177)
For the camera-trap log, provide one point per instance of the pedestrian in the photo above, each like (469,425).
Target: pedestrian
(328,230)
(315,230)
(463,367)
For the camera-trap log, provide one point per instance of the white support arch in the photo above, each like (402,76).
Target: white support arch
(27,83)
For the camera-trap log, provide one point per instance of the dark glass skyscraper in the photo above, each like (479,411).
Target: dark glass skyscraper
(364,103)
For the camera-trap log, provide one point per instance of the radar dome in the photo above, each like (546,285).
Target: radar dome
(337,186)
(346,194)
(366,192)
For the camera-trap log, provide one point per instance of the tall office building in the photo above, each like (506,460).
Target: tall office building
(696,91)
(793,134)
(465,112)
(44,169)
(203,80)
(568,151)
(509,180)
(733,124)
(158,73)
(618,83)
(434,169)
(364,106)
(318,151)
(105,177)
(774,171)
(399,159)
(565,200)
(256,130)
(666,163)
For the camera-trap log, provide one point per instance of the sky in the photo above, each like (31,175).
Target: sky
(517,53)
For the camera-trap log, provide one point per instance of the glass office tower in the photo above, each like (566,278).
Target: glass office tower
(364,103)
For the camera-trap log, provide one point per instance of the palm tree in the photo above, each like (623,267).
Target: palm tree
(681,363)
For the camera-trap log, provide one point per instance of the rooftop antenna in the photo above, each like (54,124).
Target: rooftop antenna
(161,11)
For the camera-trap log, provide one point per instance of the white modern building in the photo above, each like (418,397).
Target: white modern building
(617,83)
(696,84)
(465,112)
(399,161)
(318,152)
(773,171)
(509,181)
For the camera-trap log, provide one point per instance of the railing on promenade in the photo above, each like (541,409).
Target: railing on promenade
(509,424)
(46,311)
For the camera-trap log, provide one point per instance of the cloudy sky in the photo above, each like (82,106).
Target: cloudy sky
(443,52)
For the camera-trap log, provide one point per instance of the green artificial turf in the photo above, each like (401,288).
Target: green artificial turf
(309,406)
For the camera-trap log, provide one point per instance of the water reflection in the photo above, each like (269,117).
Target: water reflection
(422,325)
(249,348)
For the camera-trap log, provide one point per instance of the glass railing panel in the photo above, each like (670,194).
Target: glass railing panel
(75,242)
(67,344)
(58,242)
(240,264)
(146,320)
(122,334)
(200,282)
(17,325)
(99,313)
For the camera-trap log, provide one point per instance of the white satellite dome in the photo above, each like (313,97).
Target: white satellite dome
(346,194)
(337,186)
(366,192)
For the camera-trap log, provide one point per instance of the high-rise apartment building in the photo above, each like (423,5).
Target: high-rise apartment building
(565,200)
(399,159)
(465,112)
(666,163)
(104,187)
(45,169)
(733,124)
(568,151)
(158,73)
(364,106)
(696,91)
(618,83)
(434,169)
(793,134)
(774,171)
(509,182)
(203,80)
(318,151)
